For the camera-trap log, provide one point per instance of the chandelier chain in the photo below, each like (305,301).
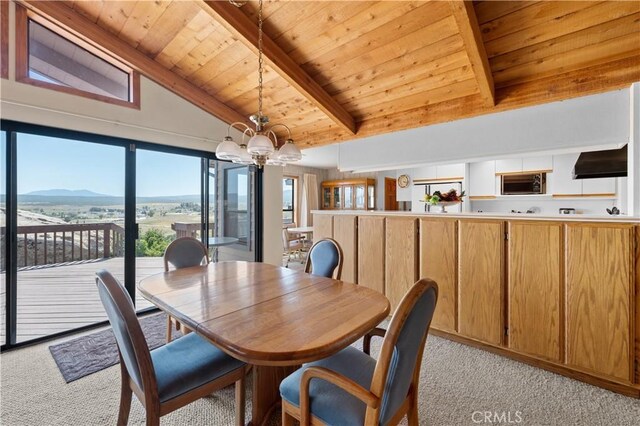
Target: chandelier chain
(260,61)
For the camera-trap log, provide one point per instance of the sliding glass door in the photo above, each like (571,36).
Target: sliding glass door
(3,236)
(70,223)
(232,211)
(73,203)
(168,206)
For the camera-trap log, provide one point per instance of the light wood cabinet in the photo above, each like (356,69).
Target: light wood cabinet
(346,235)
(535,285)
(480,286)
(371,246)
(322,227)
(401,247)
(348,194)
(560,295)
(438,261)
(599,290)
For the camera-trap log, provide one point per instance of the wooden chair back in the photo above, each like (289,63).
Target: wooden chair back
(185,252)
(132,346)
(401,352)
(327,256)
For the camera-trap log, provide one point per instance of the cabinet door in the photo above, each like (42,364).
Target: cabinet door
(601,186)
(599,289)
(438,261)
(451,171)
(371,252)
(345,233)
(482,178)
(360,197)
(510,165)
(480,287)
(401,255)
(326,197)
(534,280)
(348,197)
(536,164)
(337,197)
(322,226)
(561,181)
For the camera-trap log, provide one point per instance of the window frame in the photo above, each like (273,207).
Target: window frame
(294,201)
(23,16)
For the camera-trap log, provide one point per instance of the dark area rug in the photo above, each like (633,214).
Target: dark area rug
(86,355)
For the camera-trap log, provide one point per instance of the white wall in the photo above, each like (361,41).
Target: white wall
(633,178)
(597,121)
(272,225)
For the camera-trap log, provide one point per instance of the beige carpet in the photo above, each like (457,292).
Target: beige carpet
(457,381)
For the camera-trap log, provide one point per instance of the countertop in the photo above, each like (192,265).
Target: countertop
(487,215)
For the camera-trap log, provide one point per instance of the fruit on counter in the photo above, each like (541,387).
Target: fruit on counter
(439,197)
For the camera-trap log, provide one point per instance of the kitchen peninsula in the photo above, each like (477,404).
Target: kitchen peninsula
(558,292)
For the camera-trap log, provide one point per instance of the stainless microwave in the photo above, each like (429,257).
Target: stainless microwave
(524,184)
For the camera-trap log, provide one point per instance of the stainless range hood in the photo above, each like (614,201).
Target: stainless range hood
(601,164)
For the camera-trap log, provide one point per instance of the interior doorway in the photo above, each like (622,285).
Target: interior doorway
(390,200)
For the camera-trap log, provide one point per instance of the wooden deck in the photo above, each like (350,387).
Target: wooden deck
(60,298)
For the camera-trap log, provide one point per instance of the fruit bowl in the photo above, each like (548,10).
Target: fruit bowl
(444,204)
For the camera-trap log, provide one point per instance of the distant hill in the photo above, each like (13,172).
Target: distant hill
(66,193)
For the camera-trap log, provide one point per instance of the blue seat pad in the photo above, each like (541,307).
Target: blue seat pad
(330,403)
(187,363)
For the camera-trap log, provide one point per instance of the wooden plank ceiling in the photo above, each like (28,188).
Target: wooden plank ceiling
(388,65)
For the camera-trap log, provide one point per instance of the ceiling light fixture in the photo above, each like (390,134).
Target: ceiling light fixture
(262,147)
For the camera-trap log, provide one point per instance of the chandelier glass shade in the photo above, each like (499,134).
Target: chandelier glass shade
(262,147)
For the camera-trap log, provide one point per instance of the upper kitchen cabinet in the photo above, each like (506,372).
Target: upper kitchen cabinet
(450,171)
(482,179)
(537,164)
(522,165)
(561,181)
(509,165)
(603,186)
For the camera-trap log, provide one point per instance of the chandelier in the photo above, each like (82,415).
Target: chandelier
(262,147)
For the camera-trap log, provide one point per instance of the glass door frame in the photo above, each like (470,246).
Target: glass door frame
(12,128)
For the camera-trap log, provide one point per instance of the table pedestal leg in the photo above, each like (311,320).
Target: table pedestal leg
(266,392)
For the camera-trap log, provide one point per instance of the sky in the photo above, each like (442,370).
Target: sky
(53,163)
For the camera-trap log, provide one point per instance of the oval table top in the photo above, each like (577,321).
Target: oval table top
(264,314)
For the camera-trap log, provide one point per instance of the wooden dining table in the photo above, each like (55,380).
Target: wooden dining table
(271,317)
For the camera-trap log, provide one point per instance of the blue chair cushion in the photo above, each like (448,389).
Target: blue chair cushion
(187,363)
(330,403)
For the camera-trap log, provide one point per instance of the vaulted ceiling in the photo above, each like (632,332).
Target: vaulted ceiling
(339,70)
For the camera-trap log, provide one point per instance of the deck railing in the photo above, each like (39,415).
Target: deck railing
(51,244)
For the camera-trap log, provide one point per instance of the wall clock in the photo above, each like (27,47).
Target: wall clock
(403,181)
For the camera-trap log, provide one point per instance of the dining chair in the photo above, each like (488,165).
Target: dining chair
(292,244)
(183,252)
(171,376)
(325,259)
(352,388)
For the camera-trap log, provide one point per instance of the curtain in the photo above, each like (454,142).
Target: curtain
(309,199)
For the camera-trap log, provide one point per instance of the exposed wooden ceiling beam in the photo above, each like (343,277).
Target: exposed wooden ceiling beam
(465,17)
(78,24)
(241,26)
(587,81)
